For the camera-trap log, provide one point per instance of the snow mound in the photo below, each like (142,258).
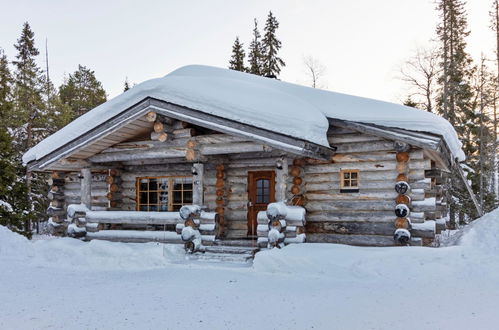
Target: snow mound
(99,255)
(482,235)
(13,244)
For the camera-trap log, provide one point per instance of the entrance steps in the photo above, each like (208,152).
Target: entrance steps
(227,251)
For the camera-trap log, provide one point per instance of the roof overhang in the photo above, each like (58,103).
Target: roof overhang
(277,140)
(432,144)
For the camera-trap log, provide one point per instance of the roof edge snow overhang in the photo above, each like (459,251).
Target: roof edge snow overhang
(277,140)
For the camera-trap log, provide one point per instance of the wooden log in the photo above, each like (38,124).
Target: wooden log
(114,188)
(365,147)
(198,184)
(402,223)
(297,181)
(402,177)
(367,166)
(161,136)
(237,147)
(52,211)
(402,157)
(165,152)
(295,171)
(57,203)
(295,190)
(403,199)
(184,132)
(114,172)
(359,240)
(86,187)
(360,205)
(113,179)
(151,116)
(350,228)
(281,179)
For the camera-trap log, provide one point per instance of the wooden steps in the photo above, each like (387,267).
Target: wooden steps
(240,252)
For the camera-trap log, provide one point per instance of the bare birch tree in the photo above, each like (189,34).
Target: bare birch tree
(420,73)
(315,71)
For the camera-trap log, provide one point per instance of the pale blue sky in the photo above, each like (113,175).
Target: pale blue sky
(362,43)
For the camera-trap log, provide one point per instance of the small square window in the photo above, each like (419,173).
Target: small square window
(349,181)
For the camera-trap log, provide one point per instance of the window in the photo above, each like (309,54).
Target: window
(163,193)
(263,191)
(349,180)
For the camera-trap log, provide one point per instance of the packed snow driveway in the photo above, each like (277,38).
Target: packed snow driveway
(68,284)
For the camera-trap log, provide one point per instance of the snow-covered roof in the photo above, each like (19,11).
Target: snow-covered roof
(285,108)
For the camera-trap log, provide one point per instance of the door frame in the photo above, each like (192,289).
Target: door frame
(252,207)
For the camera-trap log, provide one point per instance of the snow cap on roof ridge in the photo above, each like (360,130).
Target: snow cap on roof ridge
(286,108)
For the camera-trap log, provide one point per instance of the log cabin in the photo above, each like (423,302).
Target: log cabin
(337,168)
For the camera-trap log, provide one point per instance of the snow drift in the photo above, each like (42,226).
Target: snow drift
(301,112)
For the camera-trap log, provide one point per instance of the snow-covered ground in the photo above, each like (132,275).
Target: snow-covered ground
(68,284)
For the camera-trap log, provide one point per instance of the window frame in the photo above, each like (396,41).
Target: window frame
(349,188)
(170,192)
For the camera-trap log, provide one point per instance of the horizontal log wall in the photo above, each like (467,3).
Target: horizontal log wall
(72,190)
(365,217)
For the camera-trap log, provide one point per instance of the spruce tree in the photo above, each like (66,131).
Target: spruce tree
(272,63)
(237,59)
(30,110)
(457,102)
(6,104)
(255,53)
(82,91)
(15,209)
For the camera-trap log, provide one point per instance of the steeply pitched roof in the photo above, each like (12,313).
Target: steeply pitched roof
(285,108)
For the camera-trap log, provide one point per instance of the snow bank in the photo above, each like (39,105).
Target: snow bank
(98,255)
(482,235)
(12,244)
(301,111)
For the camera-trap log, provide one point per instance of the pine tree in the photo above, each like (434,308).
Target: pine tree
(14,204)
(237,59)
(6,104)
(82,91)
(30,111)
(272,63)
(455,99)
(255,53)
(494,15)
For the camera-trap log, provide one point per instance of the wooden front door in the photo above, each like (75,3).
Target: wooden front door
(261,192)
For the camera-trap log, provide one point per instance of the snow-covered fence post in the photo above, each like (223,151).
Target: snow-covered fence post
(190,233)
(402,234)
(76,216)
(276,213)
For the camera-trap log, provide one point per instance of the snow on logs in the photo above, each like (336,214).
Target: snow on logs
(190,231)
(202,225)
(280,224)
